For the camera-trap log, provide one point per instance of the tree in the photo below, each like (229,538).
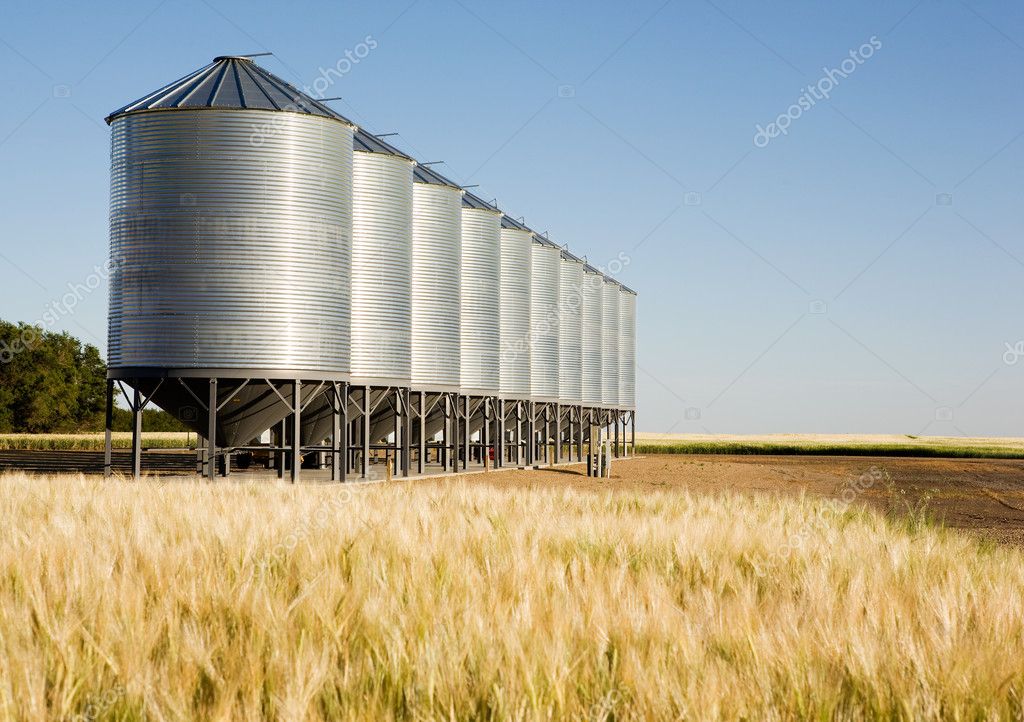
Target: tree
(52,383)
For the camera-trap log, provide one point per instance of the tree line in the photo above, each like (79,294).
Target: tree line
(53,383)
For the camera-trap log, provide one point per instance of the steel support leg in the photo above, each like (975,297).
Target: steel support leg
(591,442)
(571,438)
(211,430)
(547,434)
(421,461)
(446,432)
(296,430)
(406,432)
(531,435)
(520,449)
(344,440)
(513,437)
(282,435)
(108,430)
(579,452)
(497,446)
(485,434)
(397,462)
(565,451)
(137,434)
(498,408)
(542,435)
(453,439)
(558,433)
(570,434)
(465,433)
(366,433)
(355,443)
(337,473)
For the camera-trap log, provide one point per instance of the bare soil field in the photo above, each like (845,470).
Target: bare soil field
(984,496)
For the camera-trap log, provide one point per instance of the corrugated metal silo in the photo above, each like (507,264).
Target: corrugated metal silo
(570,329)
(436,275)
(546,260)
(516,262)
(593,335)
(627,348)
(481,288)
(381,263)
(230,240)
(610,343)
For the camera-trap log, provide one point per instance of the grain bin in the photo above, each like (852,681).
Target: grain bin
(381,263)
(516,260)
(436,275)
(610,343)
(480,297)
(230,241)
(627,348)
(546,260)
(570,329)
(593,335)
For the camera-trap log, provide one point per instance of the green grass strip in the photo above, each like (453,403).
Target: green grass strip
(770,449)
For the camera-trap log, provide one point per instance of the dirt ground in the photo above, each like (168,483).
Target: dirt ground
(983,496)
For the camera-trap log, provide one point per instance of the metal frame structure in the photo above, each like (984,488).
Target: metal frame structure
(469,431)
(212,460)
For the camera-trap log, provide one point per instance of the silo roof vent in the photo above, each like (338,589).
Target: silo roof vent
(469,200)
(509,222)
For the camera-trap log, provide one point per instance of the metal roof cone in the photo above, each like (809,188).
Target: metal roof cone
(370,143)
(230,82)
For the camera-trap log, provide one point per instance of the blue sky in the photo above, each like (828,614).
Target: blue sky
(863,272)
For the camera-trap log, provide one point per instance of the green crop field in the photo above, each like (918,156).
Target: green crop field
(833,445)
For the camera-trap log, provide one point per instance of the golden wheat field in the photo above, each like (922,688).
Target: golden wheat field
(182,600)
(92,441)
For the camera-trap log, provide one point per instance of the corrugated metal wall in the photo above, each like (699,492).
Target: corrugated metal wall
(481,289)
(516,264)
(627,349)
(227,254)
(546,261)
(593,335)
(436,280)
(570,331)
(610,344)
(381,268)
